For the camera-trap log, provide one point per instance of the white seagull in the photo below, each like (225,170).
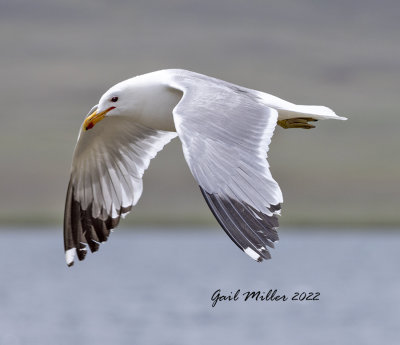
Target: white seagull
(225,130)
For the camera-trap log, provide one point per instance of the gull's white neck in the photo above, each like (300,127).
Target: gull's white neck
(156,102)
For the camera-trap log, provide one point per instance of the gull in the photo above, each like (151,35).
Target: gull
(225,130)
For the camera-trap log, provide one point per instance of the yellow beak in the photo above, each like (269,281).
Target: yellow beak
(95,117)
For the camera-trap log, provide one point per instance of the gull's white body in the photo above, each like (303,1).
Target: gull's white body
(225,131)
(156,112)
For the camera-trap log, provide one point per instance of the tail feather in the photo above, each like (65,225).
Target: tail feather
(288,110)
(317,112)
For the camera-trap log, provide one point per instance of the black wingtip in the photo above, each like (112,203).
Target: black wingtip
(82,230)
(251,230)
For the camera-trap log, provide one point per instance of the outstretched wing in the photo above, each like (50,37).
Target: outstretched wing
(225,133)
(106,180)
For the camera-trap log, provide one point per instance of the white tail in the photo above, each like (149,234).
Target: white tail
(289,110)
(317,112)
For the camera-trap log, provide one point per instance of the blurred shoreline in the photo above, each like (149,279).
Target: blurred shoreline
(195,222)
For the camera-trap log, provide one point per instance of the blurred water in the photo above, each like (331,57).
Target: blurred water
(155,287)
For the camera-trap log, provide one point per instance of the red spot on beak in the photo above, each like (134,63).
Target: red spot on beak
(89,126)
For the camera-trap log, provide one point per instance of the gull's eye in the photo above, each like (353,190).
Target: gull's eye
(114,99)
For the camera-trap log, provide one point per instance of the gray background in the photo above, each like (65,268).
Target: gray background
(58,57)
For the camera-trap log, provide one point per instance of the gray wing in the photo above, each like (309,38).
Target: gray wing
(106,180)
(225,133)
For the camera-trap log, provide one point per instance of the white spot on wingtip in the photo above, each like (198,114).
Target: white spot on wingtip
(250,252)
(70,255)
(84,248)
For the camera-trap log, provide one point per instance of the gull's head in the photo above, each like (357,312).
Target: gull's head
(118,100)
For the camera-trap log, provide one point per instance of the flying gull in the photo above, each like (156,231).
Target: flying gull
(225,130)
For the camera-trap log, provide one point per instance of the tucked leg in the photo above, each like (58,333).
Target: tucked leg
(297,122)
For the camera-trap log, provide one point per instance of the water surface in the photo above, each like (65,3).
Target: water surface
(155,287)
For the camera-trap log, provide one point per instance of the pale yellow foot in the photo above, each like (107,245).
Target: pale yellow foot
(297,122)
